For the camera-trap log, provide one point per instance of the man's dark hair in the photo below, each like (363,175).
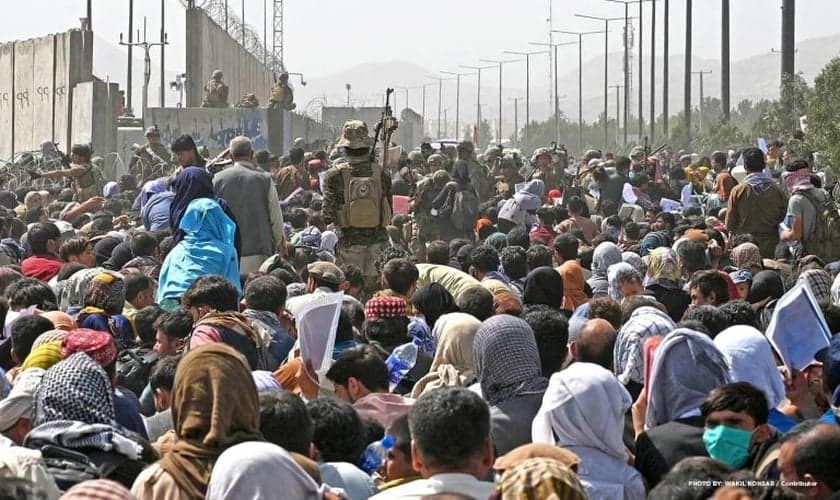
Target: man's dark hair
(566,246)
(708,282)
(390,332)
(551,330)
(362,363)
(518,237)
(737,397)
(547,216)
(739,312)
(401,433)
(183,143)
(622,163)
(353,275)
(144,324)
(400,275)
(213,291)
(667,218)
(266,293)
(692,255)
(337,430)
(68,270)
(693,478)
(514,262)
(632,230)
(540,256)
(143,245)
(176,324)
(719,157)
(575,205)
(296,155)
(24,332)
(609,310)
(72,247)
(815,452)
(136,283)
(163,374)
(285,421)
(484,258)
(38,236)
(754,160)
(477,301)
(82,150)
(711,317)
(355,313)
(449,426)
(297,218)
(438,253)
(31,292)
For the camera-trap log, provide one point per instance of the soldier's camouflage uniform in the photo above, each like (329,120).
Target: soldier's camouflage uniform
(425,229)
(215,95)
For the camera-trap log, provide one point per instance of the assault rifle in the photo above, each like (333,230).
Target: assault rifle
(386,126)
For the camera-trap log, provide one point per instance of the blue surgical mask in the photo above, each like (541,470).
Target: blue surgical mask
(730,445)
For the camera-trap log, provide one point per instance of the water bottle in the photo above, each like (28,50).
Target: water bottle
(399,363)
(375,454)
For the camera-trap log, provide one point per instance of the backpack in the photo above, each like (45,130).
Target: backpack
(70,467)
(825,240)
(464,209)
(134,366)
(364,205)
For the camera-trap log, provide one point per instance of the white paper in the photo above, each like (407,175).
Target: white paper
(670,205)
(798,329)
(317,323)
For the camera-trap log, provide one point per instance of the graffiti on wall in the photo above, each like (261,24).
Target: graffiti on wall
(216,133)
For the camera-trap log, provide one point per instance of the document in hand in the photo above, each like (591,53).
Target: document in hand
(317,323)
(798,329)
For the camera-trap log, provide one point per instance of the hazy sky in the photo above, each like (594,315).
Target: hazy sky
(326,36)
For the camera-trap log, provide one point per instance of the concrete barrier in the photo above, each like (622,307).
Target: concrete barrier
(24,95)
(7,99)
(41,94)
(94,118)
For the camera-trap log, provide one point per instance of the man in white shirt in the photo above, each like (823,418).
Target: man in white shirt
(451,446)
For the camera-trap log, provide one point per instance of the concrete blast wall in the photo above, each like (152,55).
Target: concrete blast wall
(95,121)
(209,48)
(36,81)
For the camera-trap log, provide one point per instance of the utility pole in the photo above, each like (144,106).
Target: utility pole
(580,79)
(527,83)
(724,59)
(515,120)
(347,87)
(687,103)
(788,39)
(500,63)
(147,66)
(243,24)
(440,100)
(227,24)
(89,15)
(162,52)
(478,70)
(617,109)
(457,99)
(626,4)
(128,78)
(556,93)
(665,64)
(652,132)
(606,63)
(701,73)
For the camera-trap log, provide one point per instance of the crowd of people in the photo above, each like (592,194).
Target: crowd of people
(606,327)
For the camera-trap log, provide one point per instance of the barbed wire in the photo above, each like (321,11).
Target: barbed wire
(215,9)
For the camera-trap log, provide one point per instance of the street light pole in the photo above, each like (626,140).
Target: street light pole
(606,63)
(440,99)
(500,63)
(580,79)
(617,109)
(556,95)
(527,83)
(457,98)
(478,70)
(701,73)
(515,120)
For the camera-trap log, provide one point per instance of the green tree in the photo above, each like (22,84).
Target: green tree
(823,110)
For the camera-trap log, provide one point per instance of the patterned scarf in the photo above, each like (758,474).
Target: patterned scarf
(75,389)
(758,181)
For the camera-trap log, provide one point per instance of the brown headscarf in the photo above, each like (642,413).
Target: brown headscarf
(723,185)
(214,406)
(573,285)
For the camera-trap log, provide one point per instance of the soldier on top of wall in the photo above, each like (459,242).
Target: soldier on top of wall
(282,95)
(215,92)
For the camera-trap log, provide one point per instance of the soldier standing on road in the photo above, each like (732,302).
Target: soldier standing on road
(215,92)
(357,199)
(479,175)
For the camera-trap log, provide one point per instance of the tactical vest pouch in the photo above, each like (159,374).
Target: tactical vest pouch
(363,204)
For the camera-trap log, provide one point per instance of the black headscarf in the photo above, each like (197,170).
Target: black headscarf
(433,301)
(544,285)
(766,284)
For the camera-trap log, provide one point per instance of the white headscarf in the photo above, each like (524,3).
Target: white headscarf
(20,403)
(255,469)
(584,405)
(328,241)
(835,290)
(751,360)
(453,364)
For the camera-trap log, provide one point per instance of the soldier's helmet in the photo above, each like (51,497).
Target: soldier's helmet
(591,154)
(152,131)
(540,152)
(415,157)
(436,160)
(508,162)
(355,135)
(284,76)
(441,177)
(217,74)
(492,153)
